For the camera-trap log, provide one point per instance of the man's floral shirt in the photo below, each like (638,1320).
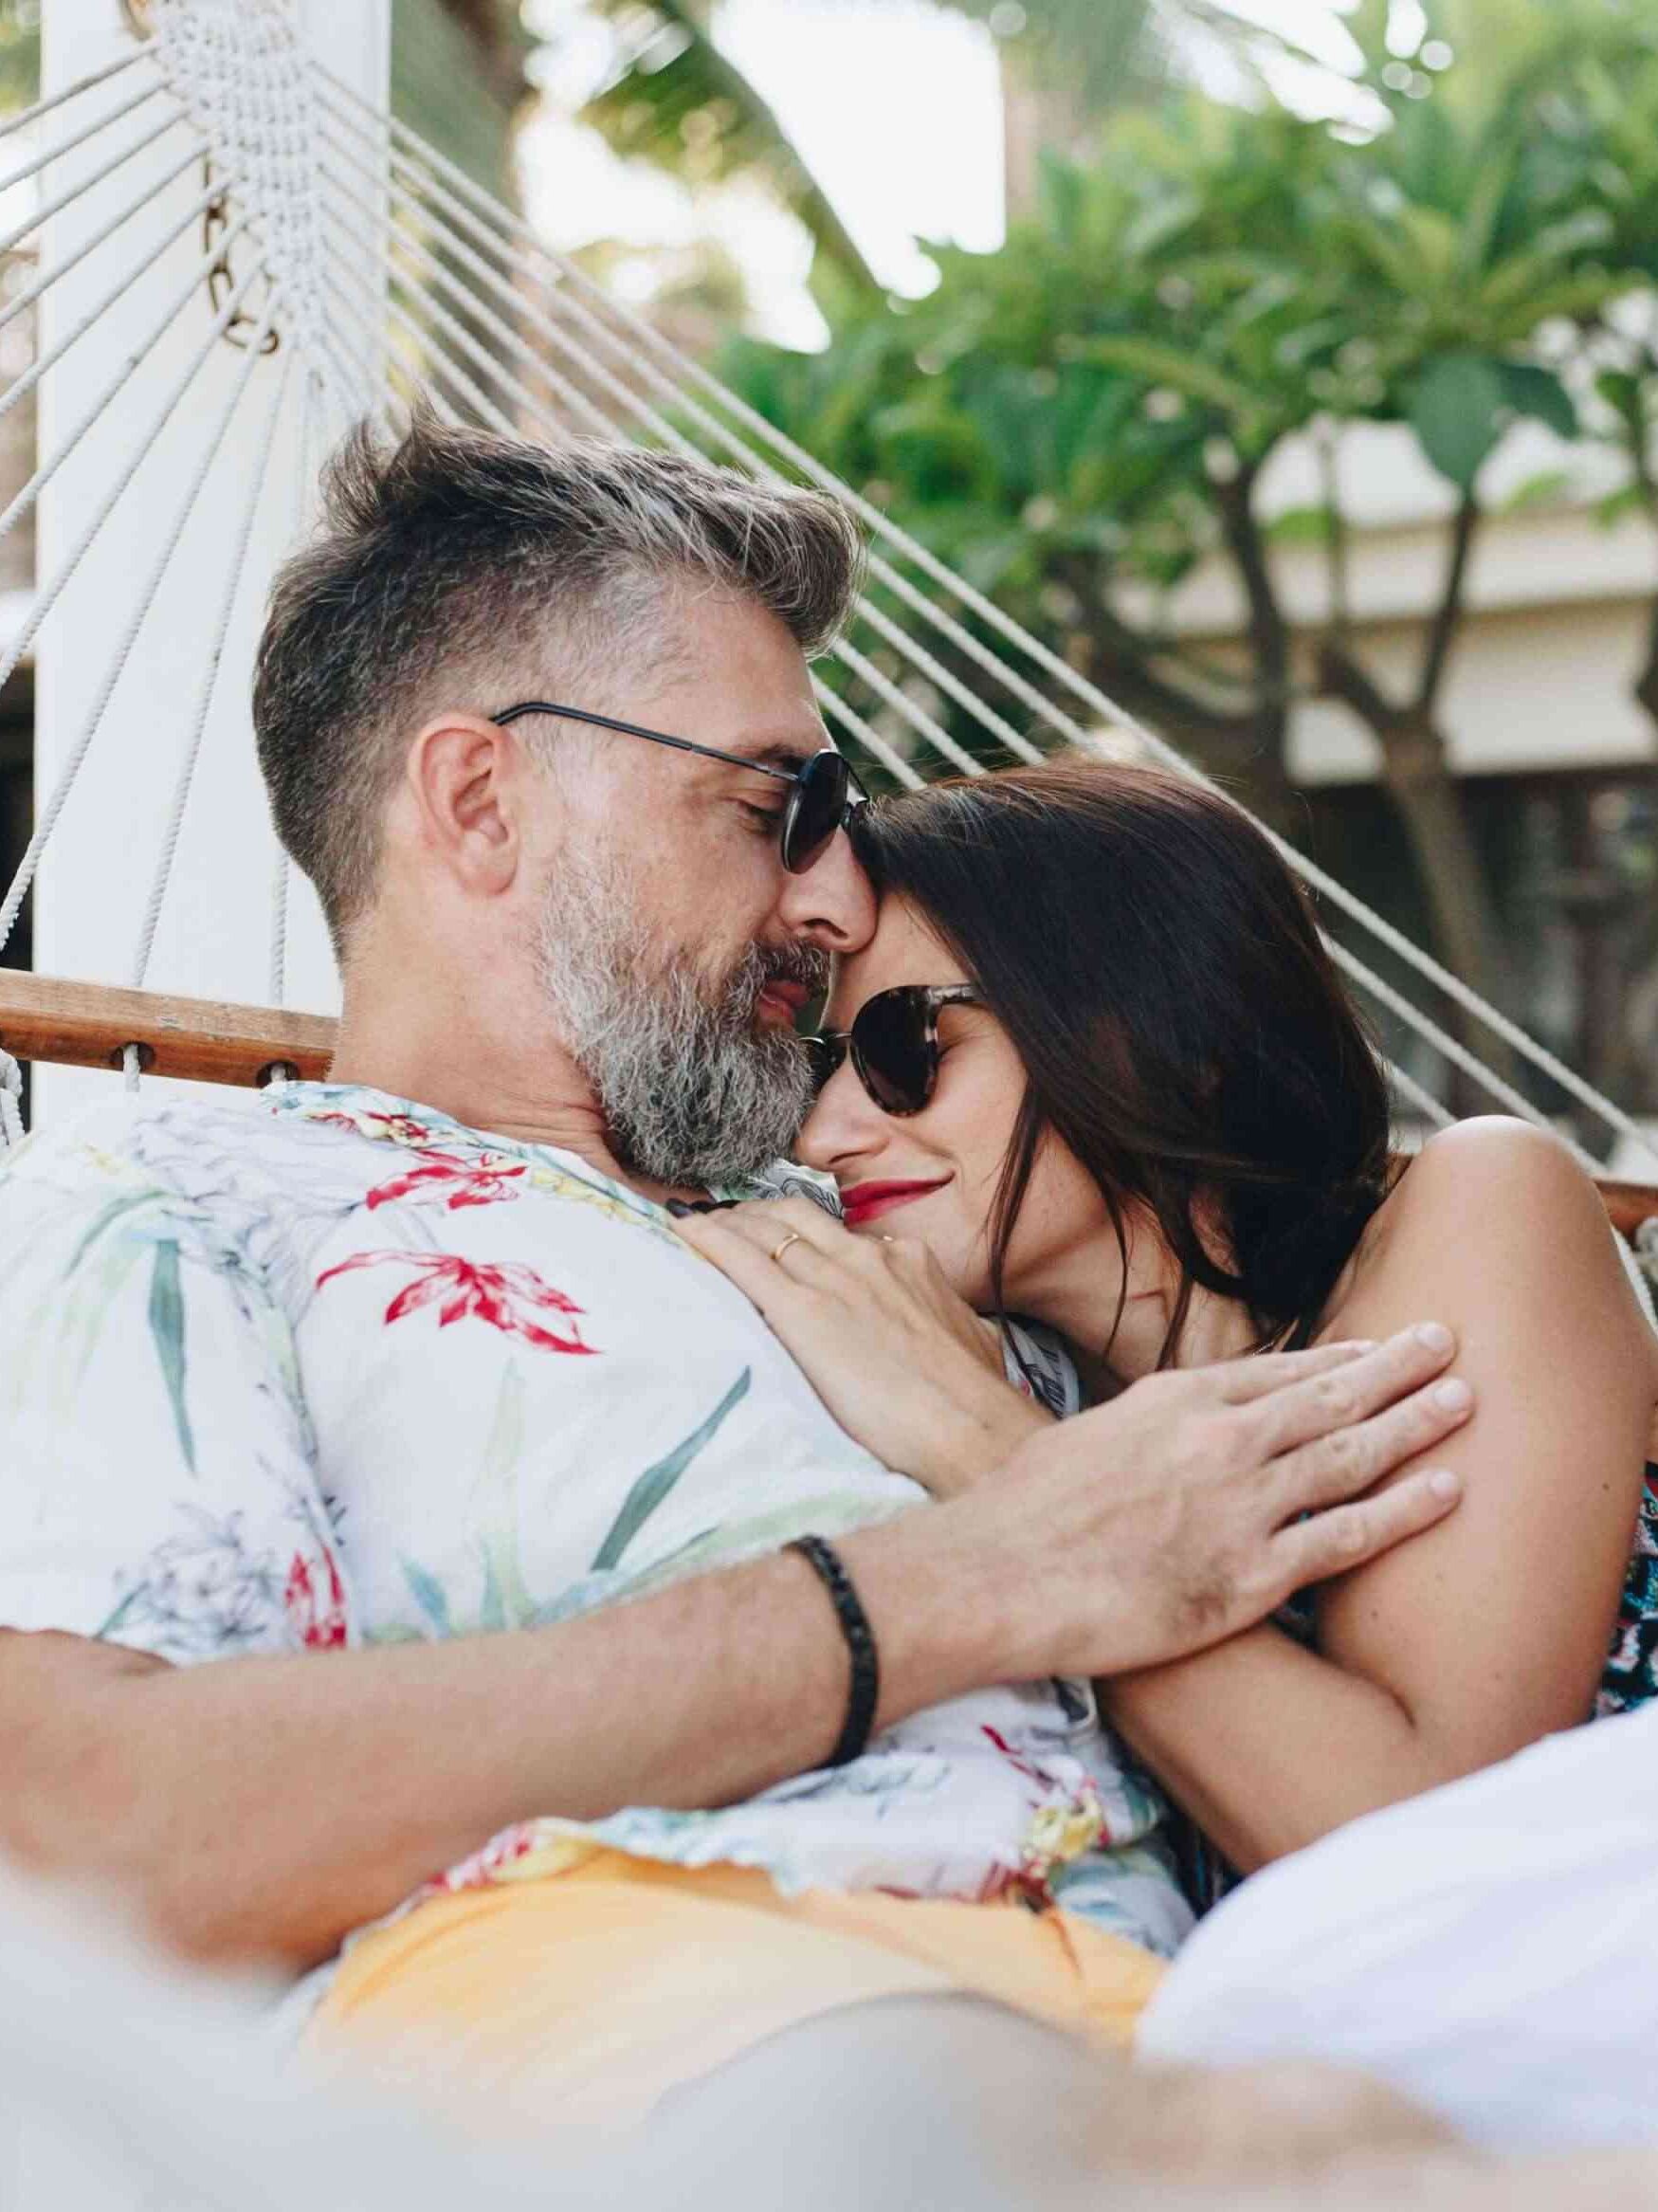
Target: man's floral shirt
(325,1368)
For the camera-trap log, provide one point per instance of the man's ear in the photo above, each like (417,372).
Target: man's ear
(464,781)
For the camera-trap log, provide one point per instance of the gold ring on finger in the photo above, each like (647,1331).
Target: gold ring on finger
(793,1238)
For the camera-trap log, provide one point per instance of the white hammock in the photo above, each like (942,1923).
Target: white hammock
(358,269)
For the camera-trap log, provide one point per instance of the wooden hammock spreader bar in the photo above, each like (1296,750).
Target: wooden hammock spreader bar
(90,1025)
(1629,1205)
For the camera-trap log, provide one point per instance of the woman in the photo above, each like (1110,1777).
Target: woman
(1096,1070)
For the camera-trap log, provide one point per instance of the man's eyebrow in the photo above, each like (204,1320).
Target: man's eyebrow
(774,753)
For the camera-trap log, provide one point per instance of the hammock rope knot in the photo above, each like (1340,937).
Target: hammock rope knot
(236,68)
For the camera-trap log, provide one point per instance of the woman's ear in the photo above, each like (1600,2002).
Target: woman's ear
(1213,1232)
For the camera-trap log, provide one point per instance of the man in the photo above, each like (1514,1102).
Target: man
(410,1370)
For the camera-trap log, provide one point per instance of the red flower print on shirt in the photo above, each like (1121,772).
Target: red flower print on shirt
(397,1128)
(481,1182)
(507,1296)
(315,1616)
(1008,1752)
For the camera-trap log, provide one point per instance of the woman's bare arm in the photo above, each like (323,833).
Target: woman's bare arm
(1457,1651)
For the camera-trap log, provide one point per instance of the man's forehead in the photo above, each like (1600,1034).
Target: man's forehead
(736,679)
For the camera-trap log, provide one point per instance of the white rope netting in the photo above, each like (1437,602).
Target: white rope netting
(384,275)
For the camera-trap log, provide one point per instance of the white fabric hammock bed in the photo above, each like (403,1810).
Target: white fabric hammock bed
(232,250)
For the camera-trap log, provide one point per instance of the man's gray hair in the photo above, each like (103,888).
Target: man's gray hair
(460,569)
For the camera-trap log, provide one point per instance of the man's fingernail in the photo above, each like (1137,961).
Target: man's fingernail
(1454,1397)
(1434,1336)
(1445,1483)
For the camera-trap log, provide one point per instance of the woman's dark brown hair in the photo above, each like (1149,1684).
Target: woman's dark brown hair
(1182,1029)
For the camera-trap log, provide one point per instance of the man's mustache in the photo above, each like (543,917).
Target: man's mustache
(805,964)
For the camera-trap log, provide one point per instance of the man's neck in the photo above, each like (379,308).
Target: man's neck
(450,1048)
(417,1048)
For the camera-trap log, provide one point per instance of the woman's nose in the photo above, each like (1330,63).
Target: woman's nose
(843,1126)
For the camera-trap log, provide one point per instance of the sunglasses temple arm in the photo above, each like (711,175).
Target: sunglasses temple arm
(632,729)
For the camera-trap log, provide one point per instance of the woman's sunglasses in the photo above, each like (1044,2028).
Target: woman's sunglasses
(893,1043)
(825,795)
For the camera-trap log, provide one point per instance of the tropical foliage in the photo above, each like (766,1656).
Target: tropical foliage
(676,99)
(1081,418)
(458,77)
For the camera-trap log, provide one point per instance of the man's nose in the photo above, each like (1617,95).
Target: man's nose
(833,903)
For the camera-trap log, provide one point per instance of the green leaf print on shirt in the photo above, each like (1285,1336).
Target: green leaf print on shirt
(656,1482)
(428,1594)
(67,1330)
(507,1602)
(167,1330)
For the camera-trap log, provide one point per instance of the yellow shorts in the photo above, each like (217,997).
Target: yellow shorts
(593,1990)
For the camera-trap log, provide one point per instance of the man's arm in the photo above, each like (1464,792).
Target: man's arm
(263,1807)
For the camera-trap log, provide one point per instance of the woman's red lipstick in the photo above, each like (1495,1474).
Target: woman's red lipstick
(864,1202)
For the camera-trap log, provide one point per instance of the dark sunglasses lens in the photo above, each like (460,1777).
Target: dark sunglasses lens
(893,1048)
(815,810)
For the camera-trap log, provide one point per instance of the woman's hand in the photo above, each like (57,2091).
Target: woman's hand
(903,1364)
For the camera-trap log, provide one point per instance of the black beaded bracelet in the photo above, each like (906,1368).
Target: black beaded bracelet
(865,1691)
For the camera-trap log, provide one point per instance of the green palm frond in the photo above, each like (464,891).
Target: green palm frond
(679,101)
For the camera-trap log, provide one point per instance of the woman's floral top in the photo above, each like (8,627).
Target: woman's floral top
(325,1368)
(1630,1676)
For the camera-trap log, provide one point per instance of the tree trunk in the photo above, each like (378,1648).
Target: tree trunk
(1417,778)
(1595,906)
(1265,777)
(1245,748)
(1628,1077)
(1250,755)
(1645,686)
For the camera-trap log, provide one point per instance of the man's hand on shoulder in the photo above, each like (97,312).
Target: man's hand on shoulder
(1190,1508)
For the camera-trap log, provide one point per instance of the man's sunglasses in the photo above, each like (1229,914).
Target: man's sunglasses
(823,793)
(894,1044)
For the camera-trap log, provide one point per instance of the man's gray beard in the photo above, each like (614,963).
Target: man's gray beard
(694,1089)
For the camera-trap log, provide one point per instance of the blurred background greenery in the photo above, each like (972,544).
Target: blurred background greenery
(1280,396)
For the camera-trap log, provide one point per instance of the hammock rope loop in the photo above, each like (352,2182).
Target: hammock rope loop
(11,1129)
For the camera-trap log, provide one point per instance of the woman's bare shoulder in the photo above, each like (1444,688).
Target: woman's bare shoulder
(1492,1158)
(1499,1206)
